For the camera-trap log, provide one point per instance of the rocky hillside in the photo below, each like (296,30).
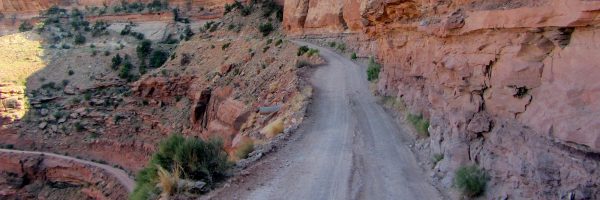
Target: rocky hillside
(508,85)
(127,85)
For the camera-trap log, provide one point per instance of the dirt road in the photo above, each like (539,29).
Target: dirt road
(348,148)
(125,180)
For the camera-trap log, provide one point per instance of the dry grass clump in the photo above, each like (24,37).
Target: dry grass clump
(244,149)
(168,180)
(274,128)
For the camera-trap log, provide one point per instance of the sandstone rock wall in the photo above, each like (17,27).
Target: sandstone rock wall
(19,172)
(508,85)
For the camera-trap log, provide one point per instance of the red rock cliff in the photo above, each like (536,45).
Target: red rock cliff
(509,85)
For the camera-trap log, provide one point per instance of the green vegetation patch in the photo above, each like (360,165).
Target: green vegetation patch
(470,180)
(373,70)
(420,123)
(197,159)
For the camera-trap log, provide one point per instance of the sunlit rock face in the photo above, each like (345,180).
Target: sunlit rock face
(509,85)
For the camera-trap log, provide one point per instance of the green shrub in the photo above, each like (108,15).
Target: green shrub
(421,124)
(246,10)
(373,70)
(125,71)
(197,159)
(341,47)
(99,28)
(25,26)
(126,30)
(266,28)
(158,58)
(332,44)
(312,52)
(188,33)
(79,39)
(144,49)
(470,180)
(79,127)
(302,50)
(116,62)
(353,56)
(270,6)
(70,72)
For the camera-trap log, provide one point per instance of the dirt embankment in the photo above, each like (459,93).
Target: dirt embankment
(506,85)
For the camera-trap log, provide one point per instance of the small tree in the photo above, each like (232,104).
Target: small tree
(265,29)
(79,39)
(373,70)
(25,26)
(158,58)
(144,49)
(116,61)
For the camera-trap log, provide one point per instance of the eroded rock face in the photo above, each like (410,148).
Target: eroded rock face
(508,85)
(41,177)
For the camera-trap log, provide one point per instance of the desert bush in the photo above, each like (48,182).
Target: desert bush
(353,56)
(70,72)
(116,62)
(126,30)
(188,33)
(157,5)
(312,52)
(25,26)
(49,86)
(270,7)
(55,10)
(266,28)
(246,10)
(244,149)
(373,70)
(332,44)
(470,180)
(99,28)
(158,58)
(341,47)
(278,42)
(125,71)
(273,128)
(421,124)
(144,49)
(197,159)
(302,50)
(79,127)
(79,39)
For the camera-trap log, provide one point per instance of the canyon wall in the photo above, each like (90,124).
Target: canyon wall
(29,176)
(19,6)
(508,85)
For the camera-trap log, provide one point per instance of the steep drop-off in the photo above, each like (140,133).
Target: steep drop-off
(508,85)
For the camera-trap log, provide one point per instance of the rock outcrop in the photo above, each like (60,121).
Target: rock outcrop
(508,85)
(24,176)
